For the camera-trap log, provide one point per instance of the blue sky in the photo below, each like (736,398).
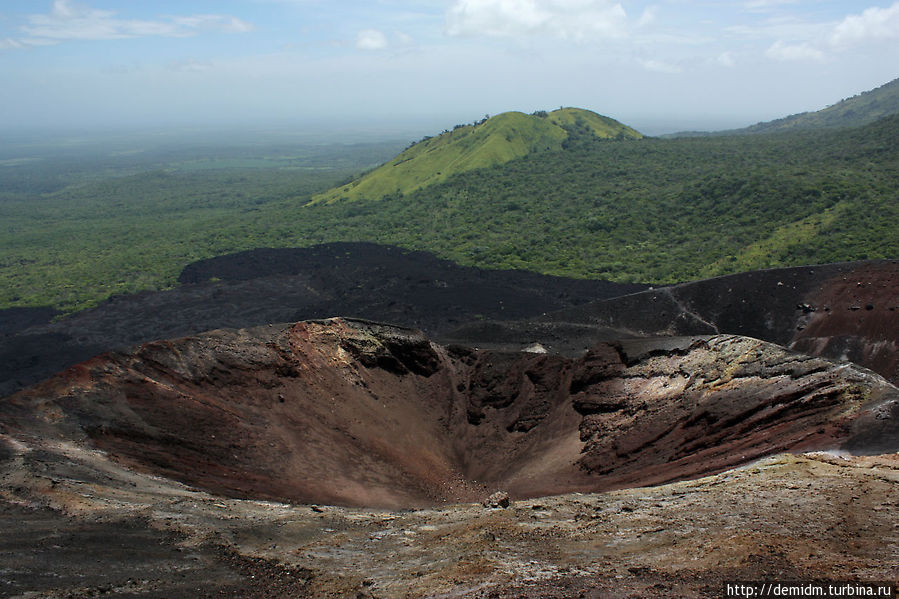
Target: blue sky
(659,65)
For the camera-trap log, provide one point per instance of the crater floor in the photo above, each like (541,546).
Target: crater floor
(75,524)
(348,458)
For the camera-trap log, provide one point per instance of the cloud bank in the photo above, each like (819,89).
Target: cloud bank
(70,21)
(566,19)
(870,27)
(873,24)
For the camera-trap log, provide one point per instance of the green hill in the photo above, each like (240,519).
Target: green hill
(491,142)
(654,210)
(859,110)
(856,111)
(651,210)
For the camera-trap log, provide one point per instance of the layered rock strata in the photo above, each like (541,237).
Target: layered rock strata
(352,412)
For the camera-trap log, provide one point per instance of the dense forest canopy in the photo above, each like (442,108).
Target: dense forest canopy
(653,210)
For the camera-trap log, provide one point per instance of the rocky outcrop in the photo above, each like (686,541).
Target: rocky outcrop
(500,499)
(352,412)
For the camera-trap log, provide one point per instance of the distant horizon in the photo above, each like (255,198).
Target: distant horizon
(659,66)
(356,130)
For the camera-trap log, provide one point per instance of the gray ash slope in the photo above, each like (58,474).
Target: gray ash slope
(844,311)
(384,283)
(847,311)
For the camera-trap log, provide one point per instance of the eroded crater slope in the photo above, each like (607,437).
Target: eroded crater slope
(351,412)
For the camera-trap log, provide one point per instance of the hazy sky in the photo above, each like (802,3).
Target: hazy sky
(655,64)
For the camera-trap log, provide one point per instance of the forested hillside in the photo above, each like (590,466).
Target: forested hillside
(861,109)
(658,210)
(651,210)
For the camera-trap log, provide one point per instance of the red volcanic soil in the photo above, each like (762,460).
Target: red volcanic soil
(356,413)
(854,316)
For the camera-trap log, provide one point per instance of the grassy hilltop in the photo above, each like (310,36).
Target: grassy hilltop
(491,142)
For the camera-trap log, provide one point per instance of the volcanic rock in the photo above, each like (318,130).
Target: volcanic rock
(359,413)
(500,499)
(352,412)
(258,287)
(812,309)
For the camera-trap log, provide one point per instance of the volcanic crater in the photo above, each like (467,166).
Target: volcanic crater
(356,413)
(648,448)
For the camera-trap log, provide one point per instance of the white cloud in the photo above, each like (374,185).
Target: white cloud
(648,16)
(567,19)
(783,51)
(223,23)
(764,4)
(405,39)
(726,59)
(190,66)
(6,44)
(789,28)
(659,66)
(872,24)
(14,44)
(70,21)
(371,39)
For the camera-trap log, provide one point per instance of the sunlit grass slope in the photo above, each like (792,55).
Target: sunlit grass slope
(601,126)
(494,141)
